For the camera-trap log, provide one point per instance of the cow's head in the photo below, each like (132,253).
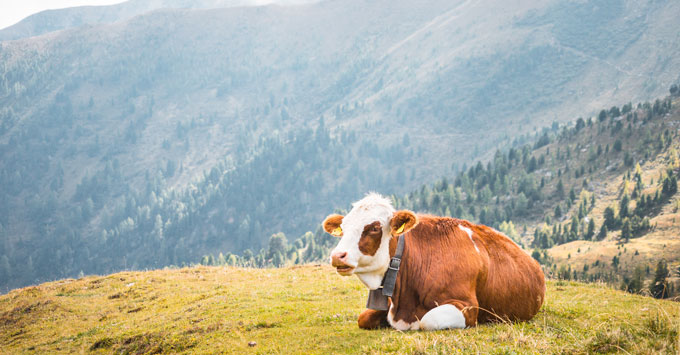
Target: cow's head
(365,234)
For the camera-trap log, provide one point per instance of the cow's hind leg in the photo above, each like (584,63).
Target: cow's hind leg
(451,314)
(371,319)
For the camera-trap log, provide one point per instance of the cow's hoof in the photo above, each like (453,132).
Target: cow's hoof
(370,319)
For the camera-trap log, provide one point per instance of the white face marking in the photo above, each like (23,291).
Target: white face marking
(400,324)
(372,208)
(469,233)
(443,317)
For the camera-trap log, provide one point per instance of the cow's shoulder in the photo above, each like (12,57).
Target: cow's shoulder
(433,223)
(435,235)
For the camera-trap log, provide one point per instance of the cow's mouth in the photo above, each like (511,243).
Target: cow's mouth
(344,270)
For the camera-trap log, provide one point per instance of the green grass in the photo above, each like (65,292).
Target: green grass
(305,309)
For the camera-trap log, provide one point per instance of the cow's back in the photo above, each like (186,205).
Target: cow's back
(514,288)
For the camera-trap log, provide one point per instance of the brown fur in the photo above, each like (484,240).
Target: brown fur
(372,319)
(370,238)
(331,223)
(441,266)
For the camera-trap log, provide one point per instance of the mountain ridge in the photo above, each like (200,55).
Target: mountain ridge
(66,18)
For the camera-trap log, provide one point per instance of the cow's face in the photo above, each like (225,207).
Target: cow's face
(365,234)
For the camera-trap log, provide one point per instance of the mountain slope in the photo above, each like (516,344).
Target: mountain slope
(73,17)
(303,309)
(596,200)
(107,131)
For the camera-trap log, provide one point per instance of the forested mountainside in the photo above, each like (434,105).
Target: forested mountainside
(594,200)
(275,188)
(605,189)
(154,139)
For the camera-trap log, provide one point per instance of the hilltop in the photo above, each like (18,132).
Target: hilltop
(307,309)
(159,135)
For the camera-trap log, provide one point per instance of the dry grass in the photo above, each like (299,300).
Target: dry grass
(306,309)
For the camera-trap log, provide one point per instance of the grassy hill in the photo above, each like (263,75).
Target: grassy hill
(305,309)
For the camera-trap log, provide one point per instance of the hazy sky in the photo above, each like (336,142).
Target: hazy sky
(13,11)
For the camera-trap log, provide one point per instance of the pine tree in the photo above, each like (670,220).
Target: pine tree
(574,226)
(623,206)
(659,285)
(626,231)
(634,285)
(278,259)
(277,244)
(602,116)
(610,218)
(591,229)
(560,190)
(669,186)
(558,212)
(603,232)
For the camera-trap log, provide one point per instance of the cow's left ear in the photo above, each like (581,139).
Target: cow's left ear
(332,225)
(402,221)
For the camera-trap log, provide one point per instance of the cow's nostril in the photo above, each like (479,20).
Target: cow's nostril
(339,258)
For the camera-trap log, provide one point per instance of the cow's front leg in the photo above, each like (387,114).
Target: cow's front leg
(450,314)
(372,319)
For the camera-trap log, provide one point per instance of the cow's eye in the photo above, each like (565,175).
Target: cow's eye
(375,229)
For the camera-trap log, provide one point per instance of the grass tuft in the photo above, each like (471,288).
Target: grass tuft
(609,341)
(103,343)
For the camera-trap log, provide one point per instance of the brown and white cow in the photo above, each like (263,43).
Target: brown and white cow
(453,273)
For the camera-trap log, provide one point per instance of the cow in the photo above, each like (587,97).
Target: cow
(453,273)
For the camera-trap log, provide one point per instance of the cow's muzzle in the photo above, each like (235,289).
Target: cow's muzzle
(339,262)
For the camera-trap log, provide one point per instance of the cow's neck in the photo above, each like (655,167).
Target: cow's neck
(373,280)
(393,245)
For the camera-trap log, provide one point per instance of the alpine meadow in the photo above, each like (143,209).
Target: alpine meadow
(166,165)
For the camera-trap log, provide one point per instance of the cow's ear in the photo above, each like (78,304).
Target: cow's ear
(332,225)
(402,221)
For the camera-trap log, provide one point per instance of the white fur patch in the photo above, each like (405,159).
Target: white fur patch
(443,317)
(400,324)
(469,233)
